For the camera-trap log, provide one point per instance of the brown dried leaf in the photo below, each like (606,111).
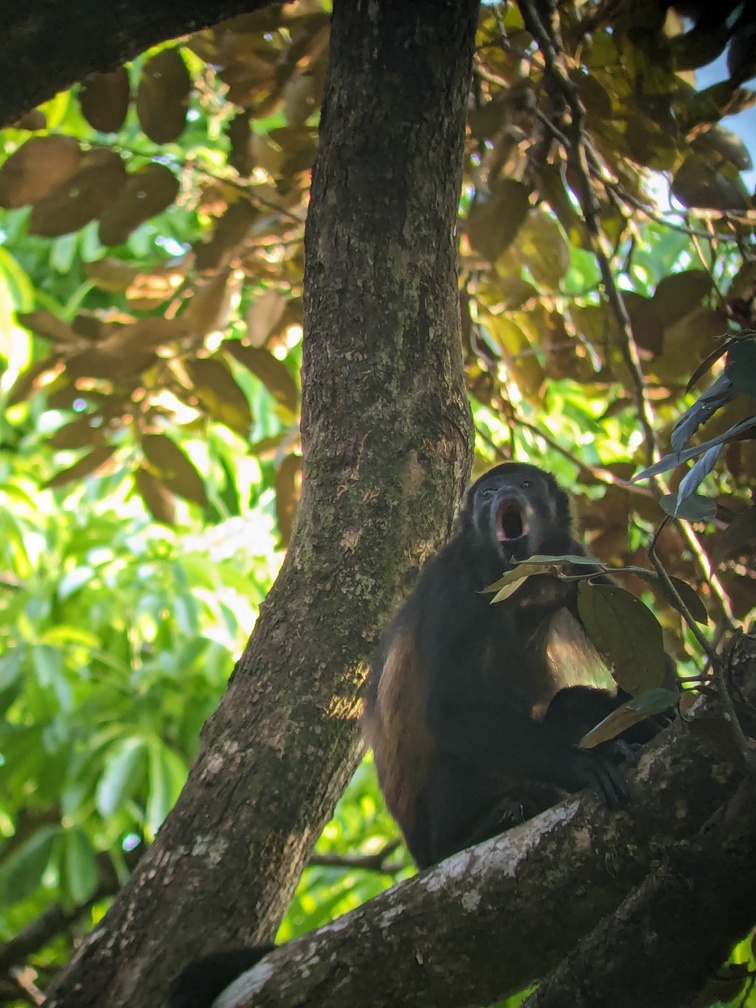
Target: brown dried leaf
(697,183)
(44,323)
(146,192)
(115,366)
(32,121)
(128,351)
(104,100)
(208,307)
(288,481)
(726,144)
(157,498)
(82,198)
(78,434)
(264,316)
(299,98)
(678,294)
(29,381)
(271,372)
(174,468)
(219,393)
(492,225)
(230,232)
(37,168)
(648,331)
(738,538)
(240,137)
(690,339)
(86,466)
(162,96)
(110,274)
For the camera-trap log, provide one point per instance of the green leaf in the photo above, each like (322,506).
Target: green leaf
(22,872)
(124,770)
(695,508)
(626,632)
(79,873)
(167,772)
(741,366)
(653,701)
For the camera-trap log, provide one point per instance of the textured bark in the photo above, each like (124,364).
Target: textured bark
(491,920)
(46,45)
(672,933)
(387,432)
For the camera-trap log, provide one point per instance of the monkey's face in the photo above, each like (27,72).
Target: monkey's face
(515,512)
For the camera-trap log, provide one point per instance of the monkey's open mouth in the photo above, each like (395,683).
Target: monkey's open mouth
(510,521)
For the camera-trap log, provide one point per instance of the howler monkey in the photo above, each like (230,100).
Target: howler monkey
(473,709)
(202,981)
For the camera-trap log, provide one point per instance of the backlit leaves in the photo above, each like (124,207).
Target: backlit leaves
(145,193)
(219,393)
(162,96)
(104,99)
(168,462)
(94,186)
(200,283)
(37,169)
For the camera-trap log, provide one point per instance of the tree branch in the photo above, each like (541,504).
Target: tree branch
(674,931)
(48,46)
(576,857)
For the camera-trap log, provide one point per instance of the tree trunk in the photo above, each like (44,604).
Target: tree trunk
(387,432)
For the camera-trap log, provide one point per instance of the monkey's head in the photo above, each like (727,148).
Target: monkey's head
(513,512)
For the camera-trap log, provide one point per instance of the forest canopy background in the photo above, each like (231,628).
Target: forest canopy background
(151,271)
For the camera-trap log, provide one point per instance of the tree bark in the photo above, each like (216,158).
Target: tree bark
(673,932)
(48,46)
(387,430)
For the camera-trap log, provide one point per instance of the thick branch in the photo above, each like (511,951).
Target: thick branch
(500,897)
(46,46)
(674,931)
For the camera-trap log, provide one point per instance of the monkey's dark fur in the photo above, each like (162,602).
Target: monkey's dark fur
(474,710)
(200,983)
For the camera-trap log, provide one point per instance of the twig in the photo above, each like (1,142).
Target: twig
(717,665)
(579,154)
(576,151)
(369,862)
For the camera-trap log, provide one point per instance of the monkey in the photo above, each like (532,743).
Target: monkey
(731,23)
(474,710)
(200,983)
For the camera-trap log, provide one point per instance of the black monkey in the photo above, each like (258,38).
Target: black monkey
(202,981)
(474,710)
(726,21)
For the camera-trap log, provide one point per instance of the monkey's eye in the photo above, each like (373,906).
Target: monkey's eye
(526,483)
